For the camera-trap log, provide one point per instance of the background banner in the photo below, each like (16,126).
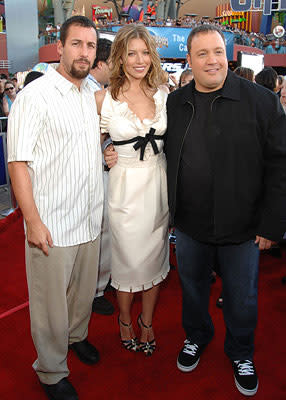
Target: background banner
(172,42)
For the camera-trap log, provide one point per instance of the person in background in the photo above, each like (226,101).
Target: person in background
(283,95)
(246,73)
(172,82)
(9,97)
(99,73)
(31,76)
(15,83)
(49,32)
(168,79)
(226,156)
(3,79)
(280,84)
(268,78)
(133,112)
(58,29)
(186,77)
(2,93)
(98,78)
(55,165)
(2,83)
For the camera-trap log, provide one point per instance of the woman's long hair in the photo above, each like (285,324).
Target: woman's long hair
(119,52)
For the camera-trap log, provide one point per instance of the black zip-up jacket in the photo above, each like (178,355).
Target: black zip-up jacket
(249,158)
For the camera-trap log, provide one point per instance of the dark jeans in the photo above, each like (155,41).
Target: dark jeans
(239,273)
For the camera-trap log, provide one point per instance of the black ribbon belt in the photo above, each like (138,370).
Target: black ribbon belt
(142,141)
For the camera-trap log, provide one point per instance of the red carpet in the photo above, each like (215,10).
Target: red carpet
(13,286)
(123,375)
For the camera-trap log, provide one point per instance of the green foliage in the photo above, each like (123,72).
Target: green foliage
(46,17)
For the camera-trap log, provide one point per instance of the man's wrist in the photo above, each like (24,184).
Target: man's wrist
(106,143)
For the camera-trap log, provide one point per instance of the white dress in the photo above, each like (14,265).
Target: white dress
(137,197)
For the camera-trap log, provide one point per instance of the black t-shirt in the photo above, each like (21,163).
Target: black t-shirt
(195,204)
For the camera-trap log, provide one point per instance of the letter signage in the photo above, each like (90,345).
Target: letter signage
(246,5)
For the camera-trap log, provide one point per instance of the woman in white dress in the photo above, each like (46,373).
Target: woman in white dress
(133,112)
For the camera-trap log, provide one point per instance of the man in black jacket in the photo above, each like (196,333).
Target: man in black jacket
(226,157)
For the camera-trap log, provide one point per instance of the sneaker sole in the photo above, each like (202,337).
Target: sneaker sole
(245,391)
(183,368)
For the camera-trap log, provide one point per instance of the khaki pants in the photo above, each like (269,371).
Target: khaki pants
(61,290)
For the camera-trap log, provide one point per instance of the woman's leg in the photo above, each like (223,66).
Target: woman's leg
(125,300)
(149,300)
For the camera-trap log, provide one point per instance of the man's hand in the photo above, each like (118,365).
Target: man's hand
(110,156)
(264,244)
(39,236)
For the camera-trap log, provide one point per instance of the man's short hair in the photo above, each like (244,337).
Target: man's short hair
(103,51)
(267,78)
(75,20)
(205,28)
(31,76)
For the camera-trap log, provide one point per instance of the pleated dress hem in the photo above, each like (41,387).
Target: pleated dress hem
(124,287)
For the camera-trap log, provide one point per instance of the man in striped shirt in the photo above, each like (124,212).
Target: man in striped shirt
(55,165)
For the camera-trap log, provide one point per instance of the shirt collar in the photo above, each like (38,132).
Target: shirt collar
(91,78)
(61,83)
(230,89)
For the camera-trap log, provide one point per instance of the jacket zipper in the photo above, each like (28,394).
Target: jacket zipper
(214,218)
(178,164)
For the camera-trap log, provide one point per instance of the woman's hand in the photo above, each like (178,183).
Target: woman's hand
(110,156)
(174,80)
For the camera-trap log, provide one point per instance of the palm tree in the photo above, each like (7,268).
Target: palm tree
(62,10)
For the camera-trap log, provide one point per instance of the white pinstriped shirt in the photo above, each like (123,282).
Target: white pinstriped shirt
(54,127)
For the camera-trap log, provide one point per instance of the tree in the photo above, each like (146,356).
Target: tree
(62,10)
(170,9)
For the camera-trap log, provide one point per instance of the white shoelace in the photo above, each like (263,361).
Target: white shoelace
(190,348)
(245,367)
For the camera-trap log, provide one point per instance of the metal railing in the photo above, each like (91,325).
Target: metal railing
(7,184)
(5,64)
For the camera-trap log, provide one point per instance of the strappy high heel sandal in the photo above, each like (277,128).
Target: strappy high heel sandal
(146,347)
(129,344)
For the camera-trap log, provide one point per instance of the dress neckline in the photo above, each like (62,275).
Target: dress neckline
(126,105)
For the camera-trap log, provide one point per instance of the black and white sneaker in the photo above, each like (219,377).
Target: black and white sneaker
(189,356)
(245,377)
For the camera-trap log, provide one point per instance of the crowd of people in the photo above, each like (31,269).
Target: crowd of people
(8,91)
(241,37)
(51,33)
(206,159)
